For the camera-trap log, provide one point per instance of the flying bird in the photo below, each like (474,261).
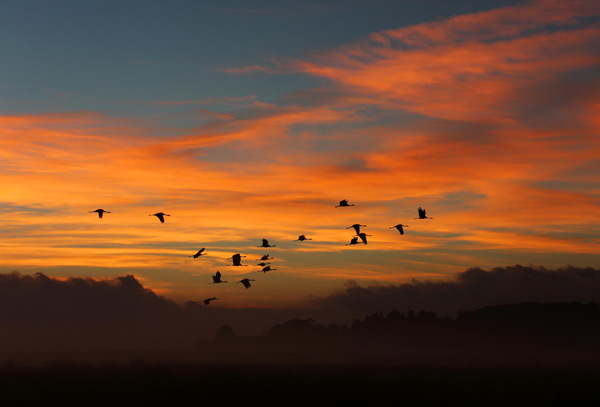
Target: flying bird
(160,216)
(208,300)
(100,212)
(246,282)
(344,202)
(217,278)
(422,214)
(363,237)
(237,259)
(267,268)
(354,240)
(262,264)
(302,238)
(265,243)
(266,257)
(198,254)
(399,227)
(356,227)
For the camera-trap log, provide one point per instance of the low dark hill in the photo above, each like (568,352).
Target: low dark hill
(42,313)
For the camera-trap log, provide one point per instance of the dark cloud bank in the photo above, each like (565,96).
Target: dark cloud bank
(39,313)
(469,290)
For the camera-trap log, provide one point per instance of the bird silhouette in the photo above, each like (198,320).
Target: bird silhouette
(344,202)
(302,238)
(100,212)
(246,282)
(363,237)
(208,300)
(160,216)
(356,227)
(198,254)
(237,259)
(267,268)
(266,257)
(262,264)
(217,278)
(399,227)
(265,243)
(354,240)
(422,214)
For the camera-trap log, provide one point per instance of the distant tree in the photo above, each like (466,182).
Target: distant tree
(394,315)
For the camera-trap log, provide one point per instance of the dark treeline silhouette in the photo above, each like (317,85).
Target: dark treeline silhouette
(559,326)
(43,314)
(527,334)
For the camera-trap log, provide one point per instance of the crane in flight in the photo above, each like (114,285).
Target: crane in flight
(422,214)
(356,227)
(265,243)
(399,227)
(363,237)
(217,278)
(208,300)
(100,212)
(160,216)
(246,282)
(198,254)
(262,264)
(344,202)
(302,238)
(266,257)
(237,260)
(354,240)
(267,268)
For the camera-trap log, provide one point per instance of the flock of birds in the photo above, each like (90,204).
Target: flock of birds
(237,258)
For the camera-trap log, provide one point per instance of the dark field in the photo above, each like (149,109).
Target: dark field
(525,354)
(138,382)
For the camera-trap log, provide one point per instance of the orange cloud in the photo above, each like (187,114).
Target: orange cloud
(488,120)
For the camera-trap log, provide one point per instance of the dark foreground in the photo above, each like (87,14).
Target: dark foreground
(138,383)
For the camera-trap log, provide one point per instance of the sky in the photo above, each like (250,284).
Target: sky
(245,121)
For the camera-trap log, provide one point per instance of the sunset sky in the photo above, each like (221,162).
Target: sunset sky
(250,120)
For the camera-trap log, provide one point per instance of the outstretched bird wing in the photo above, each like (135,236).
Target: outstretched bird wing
(245,282)
(198,254)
